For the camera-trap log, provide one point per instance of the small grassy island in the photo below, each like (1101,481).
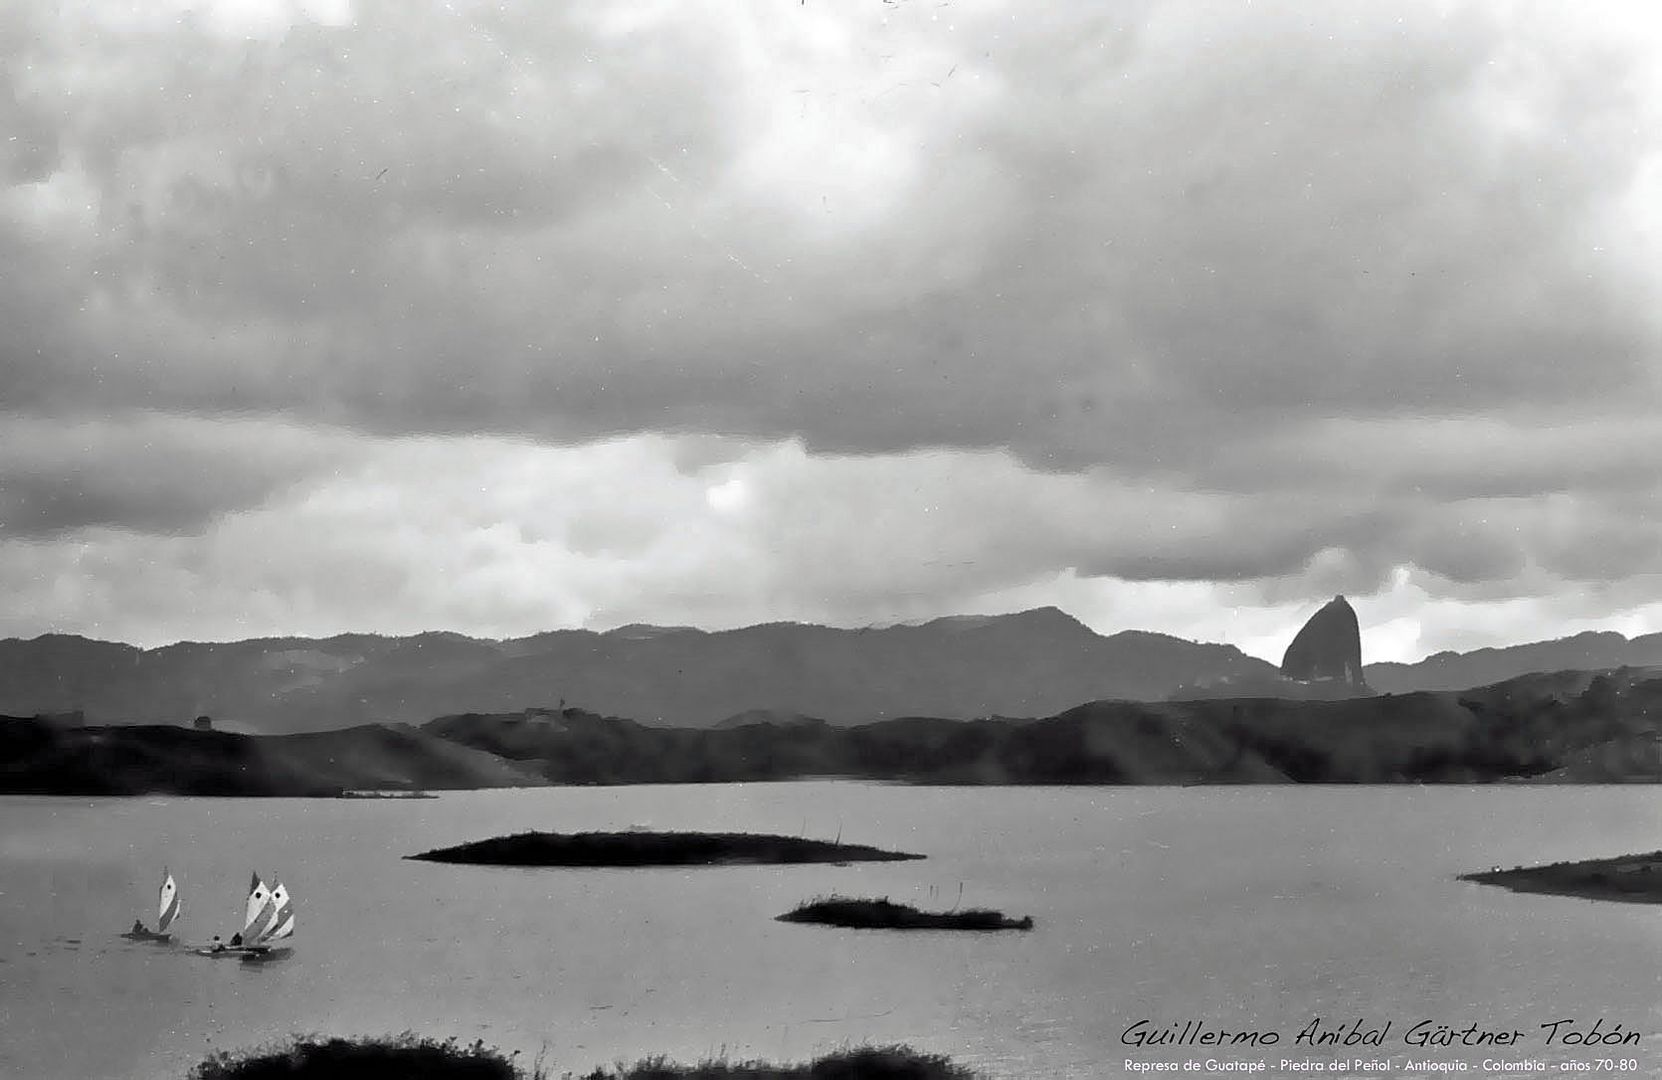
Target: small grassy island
(406,1056)
(1634,879)
(885,915)
(655,849)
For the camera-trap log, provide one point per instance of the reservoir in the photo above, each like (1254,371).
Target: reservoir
(1254,909)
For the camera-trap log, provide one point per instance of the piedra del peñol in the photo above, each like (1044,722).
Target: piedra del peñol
(1328,648)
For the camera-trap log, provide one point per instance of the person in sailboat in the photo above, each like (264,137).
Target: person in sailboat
(259,907)
(268,918)
(217,945)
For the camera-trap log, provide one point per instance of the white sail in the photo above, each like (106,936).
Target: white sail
(281,922)
(257,910)
(167,906)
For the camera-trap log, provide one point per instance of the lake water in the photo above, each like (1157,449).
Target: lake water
(1256,908)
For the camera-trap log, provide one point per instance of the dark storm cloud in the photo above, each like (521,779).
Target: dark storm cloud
(148,473)
(1119,227)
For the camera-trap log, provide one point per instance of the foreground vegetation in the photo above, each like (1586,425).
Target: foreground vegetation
(884,914)
(408,1057)
(655,849)
(1634,879)
(398,1057)
(866,1063)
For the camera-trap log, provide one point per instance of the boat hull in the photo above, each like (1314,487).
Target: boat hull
(252,953)
(222,952)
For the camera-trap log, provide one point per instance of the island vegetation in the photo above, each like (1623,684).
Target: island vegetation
(884,914)
(1634,879)
(402,1057)
(642,848)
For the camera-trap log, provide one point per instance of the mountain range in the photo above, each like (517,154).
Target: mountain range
(1032,664)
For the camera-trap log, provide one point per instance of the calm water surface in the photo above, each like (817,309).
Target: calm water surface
(1244,907)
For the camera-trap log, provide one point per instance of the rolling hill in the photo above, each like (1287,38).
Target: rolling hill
(1570,726)
(1591,651)
(40,757)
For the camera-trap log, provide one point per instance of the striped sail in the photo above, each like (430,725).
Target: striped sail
(285,927)
(281,923)
(257,910)
(167,906)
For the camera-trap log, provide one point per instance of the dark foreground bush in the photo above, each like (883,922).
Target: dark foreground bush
(654,849)
(406,1057)
(866,1063)
(397,1057)
(886,915)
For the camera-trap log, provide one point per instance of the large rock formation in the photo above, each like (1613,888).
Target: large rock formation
(1328,648)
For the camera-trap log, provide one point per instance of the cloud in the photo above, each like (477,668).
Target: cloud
(848,312)
(148,473)
(1090,238)
(500,537)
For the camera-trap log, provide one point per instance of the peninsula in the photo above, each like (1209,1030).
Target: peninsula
(1633,879)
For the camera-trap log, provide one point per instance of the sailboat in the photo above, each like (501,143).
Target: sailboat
(167,910)
(268,918)
(278,913)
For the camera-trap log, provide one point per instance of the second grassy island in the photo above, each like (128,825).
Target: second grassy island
(884,914)
(639,848)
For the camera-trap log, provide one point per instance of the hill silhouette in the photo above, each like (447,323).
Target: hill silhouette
(1591,651)
(1536,726)
(1586,727)
(41,757)
(1035,663)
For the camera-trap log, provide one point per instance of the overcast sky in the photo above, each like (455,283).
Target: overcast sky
(326,315)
